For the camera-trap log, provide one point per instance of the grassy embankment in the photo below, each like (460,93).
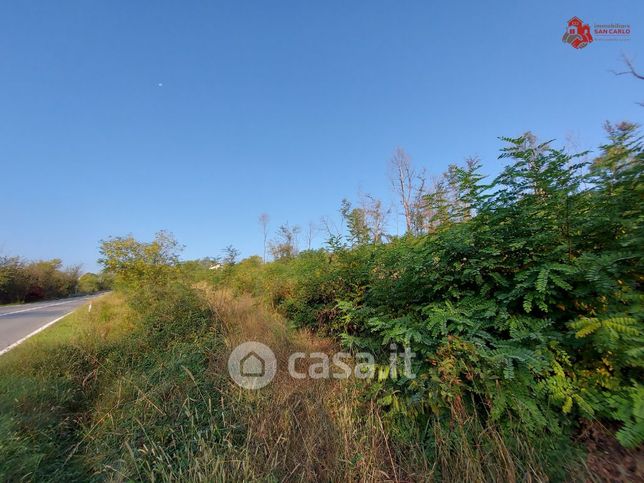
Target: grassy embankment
(524,309)
(116,394)
(119,394)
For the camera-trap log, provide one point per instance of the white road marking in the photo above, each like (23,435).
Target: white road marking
(7,349)
(39,307)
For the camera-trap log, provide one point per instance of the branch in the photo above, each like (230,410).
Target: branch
(631,69)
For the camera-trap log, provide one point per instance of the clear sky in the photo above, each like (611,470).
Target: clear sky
(122,116)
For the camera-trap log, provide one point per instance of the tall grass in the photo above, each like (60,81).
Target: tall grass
(122,394)
(327,430)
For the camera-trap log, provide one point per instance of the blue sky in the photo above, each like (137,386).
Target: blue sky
(196,116)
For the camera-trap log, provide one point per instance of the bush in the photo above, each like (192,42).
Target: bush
(528,314)
(22,281)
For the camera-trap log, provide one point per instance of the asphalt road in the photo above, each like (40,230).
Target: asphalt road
(18,322)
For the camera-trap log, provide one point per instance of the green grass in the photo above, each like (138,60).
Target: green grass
(43,394)
(63,331)
(120,394)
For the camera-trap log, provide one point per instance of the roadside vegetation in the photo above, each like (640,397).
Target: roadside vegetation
(520,297)
(24,281)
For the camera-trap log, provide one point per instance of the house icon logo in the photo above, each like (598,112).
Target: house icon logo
(577,33)
(252,365)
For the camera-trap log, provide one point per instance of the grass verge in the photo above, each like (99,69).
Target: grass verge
(143,393)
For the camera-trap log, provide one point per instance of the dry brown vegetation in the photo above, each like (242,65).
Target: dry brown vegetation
(307,429)
(326,430)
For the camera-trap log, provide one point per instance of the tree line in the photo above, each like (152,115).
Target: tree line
(30,281)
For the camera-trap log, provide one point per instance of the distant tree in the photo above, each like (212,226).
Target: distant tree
(356,223)
(434,209)
(29,281)
(47,279)
(13,279)
(464,189)
(375,217)
(89,283)
(365,223)
(311,230)
(263,221)
(106,280)
(231,254)
(407,183)
(451,198)
(334,239)
(630,70)
(132,261)
(285,244)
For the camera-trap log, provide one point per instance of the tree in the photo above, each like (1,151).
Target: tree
(13,279)
(230,255)
(375,217)
(132,261)
(89,283)
(630,70)
(452,198)
(355,220)
(22,281)
(616,175)
(263,221)
(534,209)
(465,189)
(311,230)
(366,223)
(408,185)
(334,239)
(434,209)
(285,245)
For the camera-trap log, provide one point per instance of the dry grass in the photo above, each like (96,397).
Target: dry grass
(133,408)
(305,429)
(326,430)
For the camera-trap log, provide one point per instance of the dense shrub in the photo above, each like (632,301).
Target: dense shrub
(22,281)
(91,283)
(528,313)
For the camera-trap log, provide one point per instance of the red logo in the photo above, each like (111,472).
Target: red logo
(577,33)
